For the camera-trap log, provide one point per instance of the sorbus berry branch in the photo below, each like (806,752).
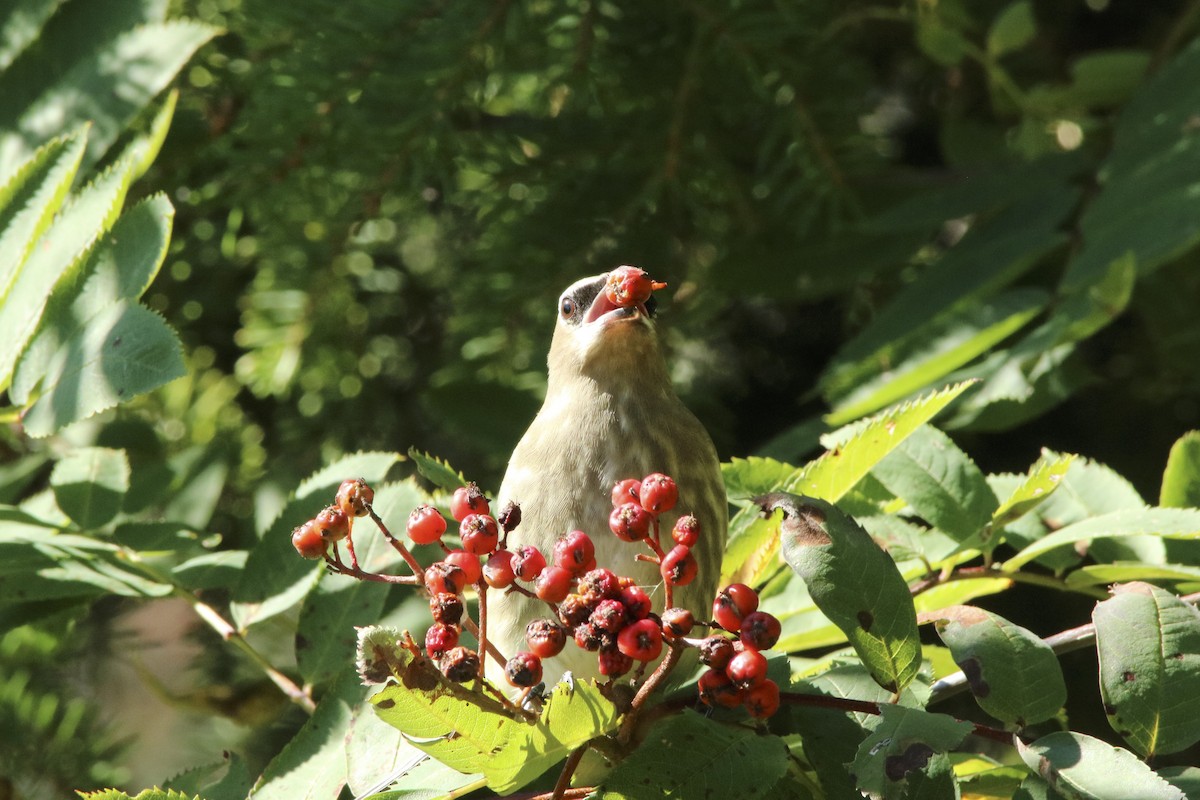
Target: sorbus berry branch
(674,653)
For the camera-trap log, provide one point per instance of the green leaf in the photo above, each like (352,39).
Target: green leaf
(1121,572)
(1085,767)
(1013,674)
(211,570)
(1013,28)
(943,44)
(752,547)
(1181,479)
(854,583)
(21,25)
(1172,523)
(957,593)
(1185,778)
(436,471)
(145,794)
(902,744)
(124,351)
(37,564)
(940,482)
(90,485)
(1043,478)
(747,477)
(687,756)
(275,577)
(1148,641)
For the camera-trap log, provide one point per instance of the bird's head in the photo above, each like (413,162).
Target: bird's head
(597,339)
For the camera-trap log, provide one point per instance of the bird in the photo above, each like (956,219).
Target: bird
(610,413)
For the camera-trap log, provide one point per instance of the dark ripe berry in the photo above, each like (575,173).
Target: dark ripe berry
(679,566)
(599,584)
(498,571)
(553,584)
(625,491)
(528,562)
(716,689)
(609,616)
(460,664)
(574,552)
(574,610)
(677,622)
(589,637)
(523,670)
(333,524)
(630,522)
(440,638)
(353,496)
(308,541)
(636,601)
(446,608)
(686,531)
(509,517)
(614,663)
(425,525)
(659,493)
(641,641)
(468,499)
(716,651)
(629,286)
(467,562)
(480,534)
(763,700)
(732,604)
(759,631)
(545,637)
(443,577)
(748,668)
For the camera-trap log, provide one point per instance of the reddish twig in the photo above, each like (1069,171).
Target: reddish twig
(639,700)
(871,707)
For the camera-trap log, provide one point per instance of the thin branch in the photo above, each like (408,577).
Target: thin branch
(639,700)
(870,707)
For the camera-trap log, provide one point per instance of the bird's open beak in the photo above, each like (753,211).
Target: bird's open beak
(604,311)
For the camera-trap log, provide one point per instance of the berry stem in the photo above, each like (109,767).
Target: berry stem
(481,588)
(350,542)
(564,777)
(396,544)
(337,566)
(639,700)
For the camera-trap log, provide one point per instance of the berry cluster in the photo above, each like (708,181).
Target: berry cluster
(630,286)
(737,669)
(313,538)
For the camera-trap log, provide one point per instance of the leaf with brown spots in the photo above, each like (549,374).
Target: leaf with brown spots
(901,746)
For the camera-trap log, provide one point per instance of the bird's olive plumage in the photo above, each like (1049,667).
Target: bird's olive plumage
(610,413)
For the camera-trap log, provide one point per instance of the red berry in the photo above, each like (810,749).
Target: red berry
(440,638)
(480,534)
(599,584)
(609,616)
(716,651)
(629,286)
(444,577)
(625,491)
(333,524)
(748,668)
(498,571)
(574,552)
(677,622)
(528,562)
(637,602)
(686,531)
(467,562)
(308,541)
(353,497)
(716,689)
(641,641)
(679,566)
(574,610)
(545,637)
(425,525)
(630,522)
(460,664)
(763,700)
(659,493)
(523,670)
(553,584)
(468,499)
(614,663)
(732,604)
(759,631)
(588,637)
(446,608)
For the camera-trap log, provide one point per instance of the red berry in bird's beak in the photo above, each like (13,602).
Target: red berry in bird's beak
(630,286)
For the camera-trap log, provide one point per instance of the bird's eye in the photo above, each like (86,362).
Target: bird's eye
(567,308)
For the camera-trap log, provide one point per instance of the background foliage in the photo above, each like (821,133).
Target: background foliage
(375,206)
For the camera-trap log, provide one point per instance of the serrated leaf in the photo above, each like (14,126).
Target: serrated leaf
(747,477)
(1171,523)
(1181,478)
(1148,641)
(227,780)
(145,794)
(752,548)
(1185,778)
(1043,478)
(1106,574)
(941,483)
(687,757)
(902,744)
(436,471)
(37,565)
(854,583)
(1086,767)
(1012,29)
(122,352)
(21,25)
(1013,674)
(90,484)
(211,570)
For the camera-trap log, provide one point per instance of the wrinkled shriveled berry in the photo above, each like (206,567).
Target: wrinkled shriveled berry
(523,670)
(460,664)
(528,562)
(425,525)
(679,566)
(468,499)
(599,584)
(588,637)
(574,552)
(308,541)
(353,497)
(762,700)
(553,584)
(748,668)
(509,517)
(641,641)
(716,651)
(659,493)
(626,491)
(480,534)
(446,608)
(574,610)
(440,638)
(609,616)
(732,604)
(630,522)
(686,531)
(443,577)
(677,622)
(545,637)
(759,631)
(614,663)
